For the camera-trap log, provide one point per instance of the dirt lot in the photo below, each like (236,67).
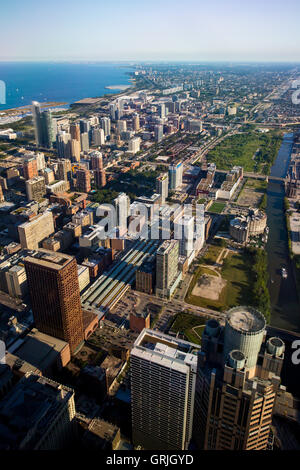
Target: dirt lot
(209,287)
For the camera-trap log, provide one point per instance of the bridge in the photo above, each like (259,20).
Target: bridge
(258,176)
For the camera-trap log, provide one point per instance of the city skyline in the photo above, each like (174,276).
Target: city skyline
(197,32)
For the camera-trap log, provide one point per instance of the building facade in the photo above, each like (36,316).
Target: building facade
(53,285)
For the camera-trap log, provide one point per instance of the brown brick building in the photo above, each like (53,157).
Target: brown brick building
(54,289)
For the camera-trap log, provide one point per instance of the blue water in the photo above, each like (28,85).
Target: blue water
(63,82)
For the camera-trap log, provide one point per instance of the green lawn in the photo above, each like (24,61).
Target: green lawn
(217,207)
(254,151)
(185,322)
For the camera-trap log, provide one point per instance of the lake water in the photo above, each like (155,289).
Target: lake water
(62,82)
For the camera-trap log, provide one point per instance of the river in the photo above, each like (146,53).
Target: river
(285,306)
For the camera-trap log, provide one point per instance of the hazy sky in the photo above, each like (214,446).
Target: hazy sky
(150,30)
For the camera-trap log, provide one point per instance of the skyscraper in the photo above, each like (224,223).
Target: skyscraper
(100,178)
(75,150)
(98,136)
(163,383)
(105,125)
(35,188)
(64,147)
(85,144)
(55,297)
(175,175)
(237,381)
(64,169)
(43,127)
(96,161)
(136,122)
(134,145)
(122,205)
(162,110)
(162,186)
(158,132)
(83,180)
(75,131)
(30,168)
(167,274)
(121,126)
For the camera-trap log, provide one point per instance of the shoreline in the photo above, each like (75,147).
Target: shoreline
(118,87)
(27,108)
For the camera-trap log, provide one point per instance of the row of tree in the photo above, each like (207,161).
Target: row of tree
(259,269)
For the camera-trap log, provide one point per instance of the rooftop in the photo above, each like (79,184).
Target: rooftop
(48,259)
(165,350)
(246,319)
(28,410)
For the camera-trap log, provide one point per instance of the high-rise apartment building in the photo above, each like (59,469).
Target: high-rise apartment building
(30,168)
(75,131)
(83,180)
(158,132)
(162,186)
(100,178)
(35,188)
(85,143)
(105,125)
(75,150)
(121,126)
(40,161)
(163,384)
(134,145)
(237,382)
(84,125)
(113,108)
(175,175)
(52,279)
(96,161)
(167,274)
(98,136)
(64,169)
(16,281)
(31,233)
(162,110)
(49,176)
(63,142)
(136,122)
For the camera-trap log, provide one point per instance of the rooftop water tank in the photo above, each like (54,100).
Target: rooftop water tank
(236,359)
(212,327)
(275,346)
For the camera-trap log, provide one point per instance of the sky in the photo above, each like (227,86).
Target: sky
(142,30)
